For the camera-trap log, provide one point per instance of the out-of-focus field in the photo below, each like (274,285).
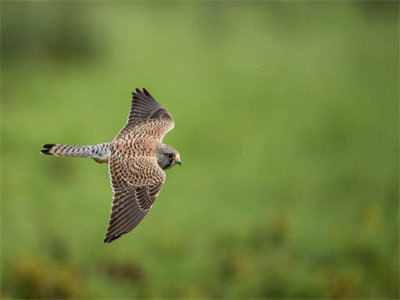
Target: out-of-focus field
(286,118)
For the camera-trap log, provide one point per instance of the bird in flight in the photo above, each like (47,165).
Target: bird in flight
(136,159)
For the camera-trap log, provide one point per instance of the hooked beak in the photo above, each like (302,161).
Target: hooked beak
(178,161)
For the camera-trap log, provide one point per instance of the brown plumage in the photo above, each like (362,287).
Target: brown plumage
(137,159)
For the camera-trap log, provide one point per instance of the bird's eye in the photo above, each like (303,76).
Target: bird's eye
(170,156)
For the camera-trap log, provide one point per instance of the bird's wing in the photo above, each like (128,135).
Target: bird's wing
(136,183)
(147,117)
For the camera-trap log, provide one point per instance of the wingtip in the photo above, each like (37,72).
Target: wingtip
(110,238)
(141,93)
(137,93)
(146,92)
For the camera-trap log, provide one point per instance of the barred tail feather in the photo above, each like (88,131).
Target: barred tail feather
(98,152)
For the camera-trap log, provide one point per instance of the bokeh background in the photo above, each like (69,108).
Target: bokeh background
(286,120)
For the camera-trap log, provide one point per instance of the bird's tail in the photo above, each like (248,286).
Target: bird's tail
(99,153)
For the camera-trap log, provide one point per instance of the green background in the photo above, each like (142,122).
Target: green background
(286,118)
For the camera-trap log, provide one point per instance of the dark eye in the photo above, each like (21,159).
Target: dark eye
(170,156)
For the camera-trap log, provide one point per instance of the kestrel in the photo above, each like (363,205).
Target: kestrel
(136,159)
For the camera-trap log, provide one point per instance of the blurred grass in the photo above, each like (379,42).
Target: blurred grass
(286,120)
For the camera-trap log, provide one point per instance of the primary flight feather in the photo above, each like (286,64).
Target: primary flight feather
(136,159)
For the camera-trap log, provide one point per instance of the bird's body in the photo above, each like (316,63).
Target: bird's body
(136,158)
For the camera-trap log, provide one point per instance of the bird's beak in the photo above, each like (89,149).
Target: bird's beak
(178,161)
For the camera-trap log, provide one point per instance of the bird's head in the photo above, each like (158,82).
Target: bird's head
(167,157)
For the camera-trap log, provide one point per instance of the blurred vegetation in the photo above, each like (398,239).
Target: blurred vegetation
(286,120)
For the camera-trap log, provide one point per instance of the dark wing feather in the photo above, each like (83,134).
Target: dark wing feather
(131,202)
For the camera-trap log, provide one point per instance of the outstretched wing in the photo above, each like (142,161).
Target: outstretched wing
(136,184)
(147,117)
